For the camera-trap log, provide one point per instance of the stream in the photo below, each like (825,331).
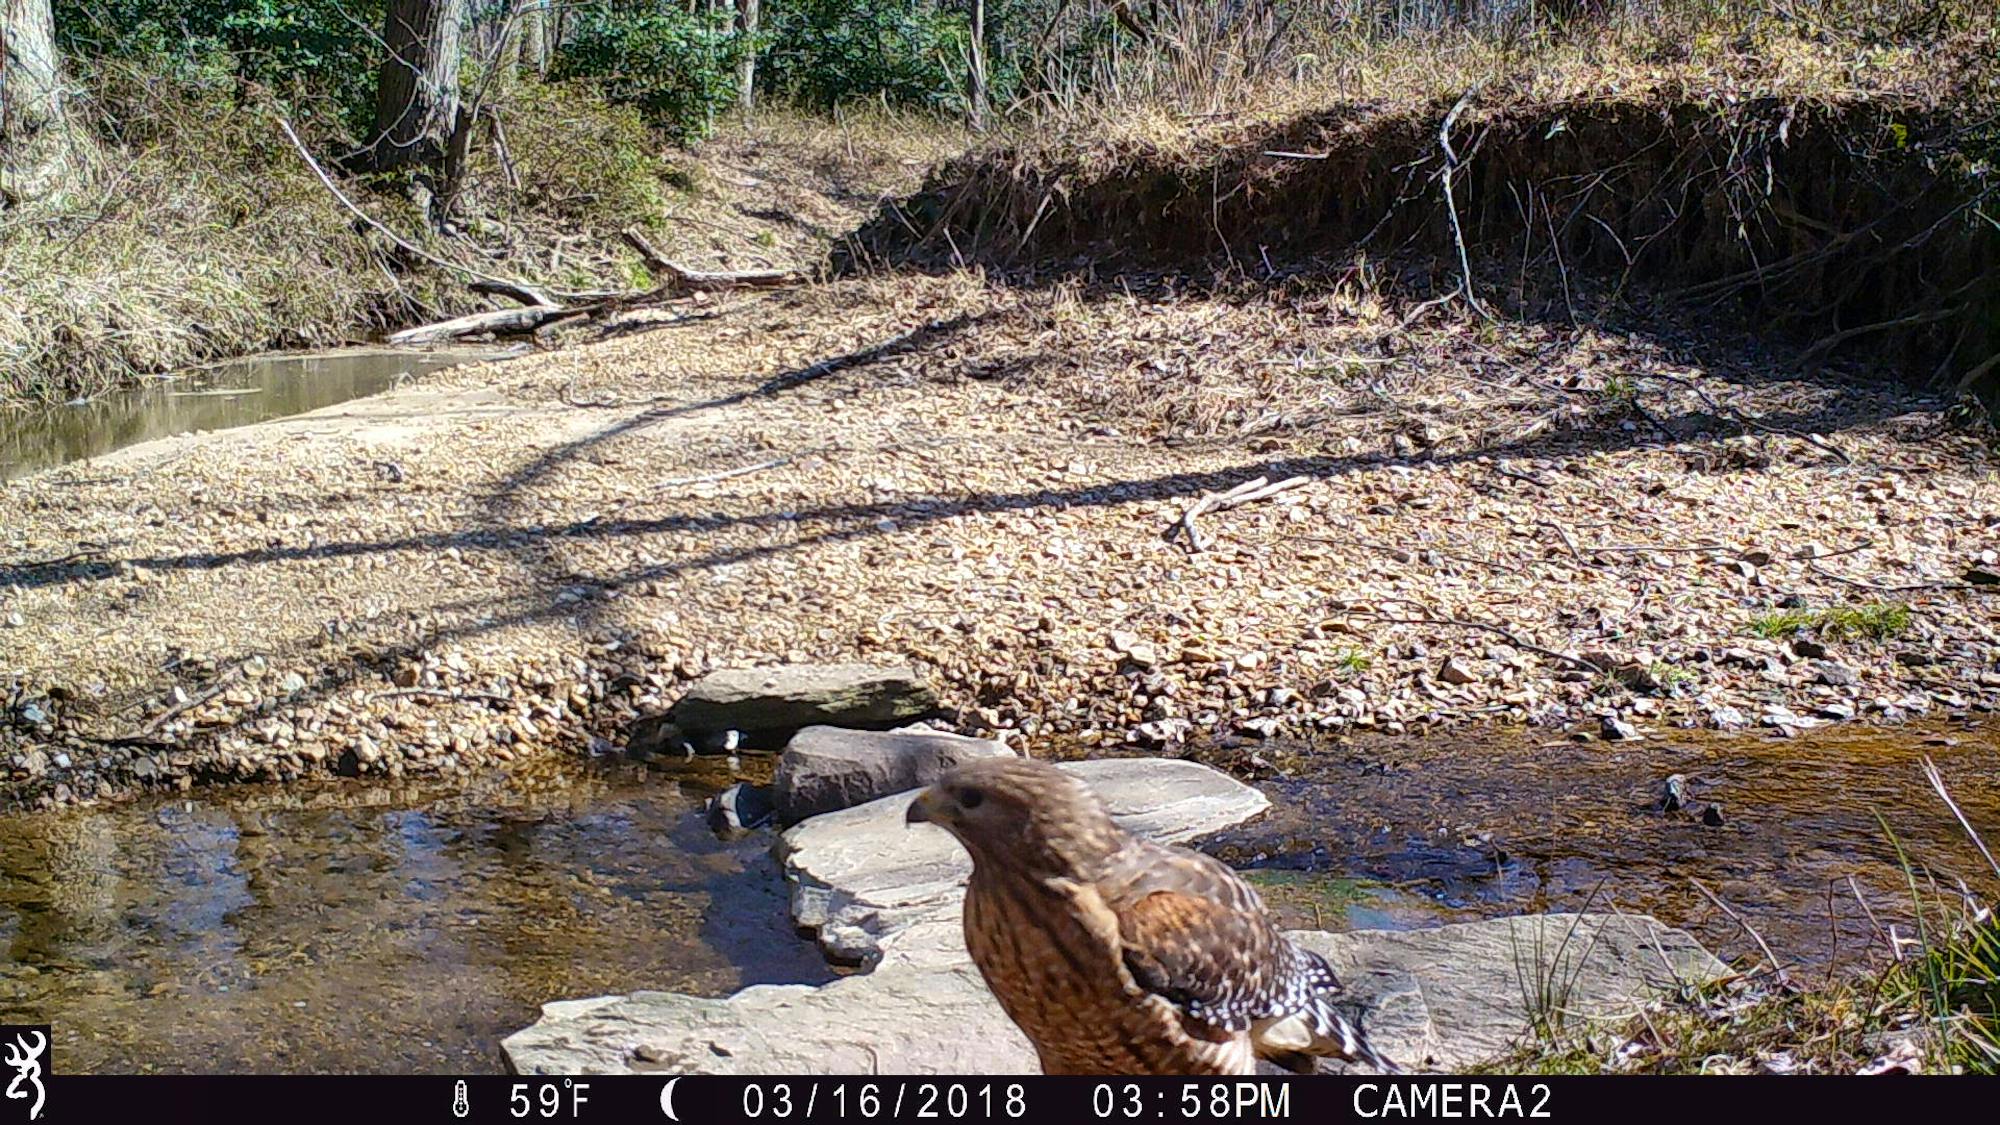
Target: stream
(217,397)
(356,927)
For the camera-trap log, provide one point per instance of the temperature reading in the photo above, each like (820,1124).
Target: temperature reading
(547,1099)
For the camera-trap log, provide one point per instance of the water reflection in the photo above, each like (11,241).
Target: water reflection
(1473,829)
(352,929)
(209,398)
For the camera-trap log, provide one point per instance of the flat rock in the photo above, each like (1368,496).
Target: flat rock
(764,705)
(1439,999)
(826,769)
(879,890)
(868,882)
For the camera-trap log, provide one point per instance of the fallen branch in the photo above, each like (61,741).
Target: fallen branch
(502,322)
(681,279)
(1248,492)
(527,295)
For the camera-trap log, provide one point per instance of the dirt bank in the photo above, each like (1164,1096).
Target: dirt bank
(1527,524)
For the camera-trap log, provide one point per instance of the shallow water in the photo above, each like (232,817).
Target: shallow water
(356,928)
(362,927)
(207,398)
(1416,833)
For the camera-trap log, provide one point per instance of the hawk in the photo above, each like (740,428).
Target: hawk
(1117,955)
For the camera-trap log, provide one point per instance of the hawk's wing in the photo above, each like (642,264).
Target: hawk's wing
(1195,934)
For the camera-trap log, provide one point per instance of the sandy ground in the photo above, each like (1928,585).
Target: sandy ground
(1532,524)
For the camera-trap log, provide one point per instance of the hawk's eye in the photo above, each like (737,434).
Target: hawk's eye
(971,798)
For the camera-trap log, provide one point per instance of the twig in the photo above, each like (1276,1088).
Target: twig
(1505,634)
(1732,412)
(1451,162)
(1937,782)
(222,681)
(1866,585)
(401,242)
(727,474)
(442,693)
(682,279)
(1777,967)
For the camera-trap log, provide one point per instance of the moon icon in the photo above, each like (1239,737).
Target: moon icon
(667,1098)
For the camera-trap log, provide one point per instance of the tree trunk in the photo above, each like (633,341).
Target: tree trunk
(976,79)
(39,150)
(535,35)
(416,97)
(746,67)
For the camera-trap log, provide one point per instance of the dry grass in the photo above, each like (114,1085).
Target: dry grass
(1201,91)
(205,236)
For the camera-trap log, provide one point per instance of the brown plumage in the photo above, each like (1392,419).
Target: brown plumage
(1117,955)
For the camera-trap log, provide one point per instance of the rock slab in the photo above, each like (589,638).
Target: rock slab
(1441,999)
(889,894)
(826,769)
(788,697)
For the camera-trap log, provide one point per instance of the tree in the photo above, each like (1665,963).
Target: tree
(39,150)
(746,63)
(975,94)
(416,95)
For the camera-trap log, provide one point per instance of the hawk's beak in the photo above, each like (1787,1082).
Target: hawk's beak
(926,807)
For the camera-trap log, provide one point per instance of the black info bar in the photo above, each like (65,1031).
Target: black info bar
(707,1099)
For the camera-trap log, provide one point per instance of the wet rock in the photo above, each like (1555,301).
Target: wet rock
(1675,793)
(795,696)
(1444,998)
(740,809)
(1614,729)
(824,769)
(1457,671)
(1726,717)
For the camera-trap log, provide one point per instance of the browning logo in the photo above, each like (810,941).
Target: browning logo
(24,1048)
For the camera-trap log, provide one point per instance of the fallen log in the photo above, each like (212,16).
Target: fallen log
(503,322)
(681,279)
(518,292)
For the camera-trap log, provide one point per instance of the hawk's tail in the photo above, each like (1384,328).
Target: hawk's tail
(1318,1026)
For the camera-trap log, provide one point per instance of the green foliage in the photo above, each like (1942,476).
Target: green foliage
(1877,622)
(827,52)
(321,48)
(675,66)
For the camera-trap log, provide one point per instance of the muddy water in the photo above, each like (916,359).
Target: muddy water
(1402,833)
(373,929)
(209,398)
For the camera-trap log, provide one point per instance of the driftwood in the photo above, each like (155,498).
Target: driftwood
(501,322)
(1249,491)
(681,279)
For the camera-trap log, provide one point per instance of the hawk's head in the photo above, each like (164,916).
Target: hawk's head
(1021,813)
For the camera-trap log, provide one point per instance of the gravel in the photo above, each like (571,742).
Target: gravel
(976,478)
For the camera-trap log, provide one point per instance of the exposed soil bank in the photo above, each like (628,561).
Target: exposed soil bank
(1854,226)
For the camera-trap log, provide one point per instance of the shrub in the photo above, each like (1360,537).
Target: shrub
(675,66)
